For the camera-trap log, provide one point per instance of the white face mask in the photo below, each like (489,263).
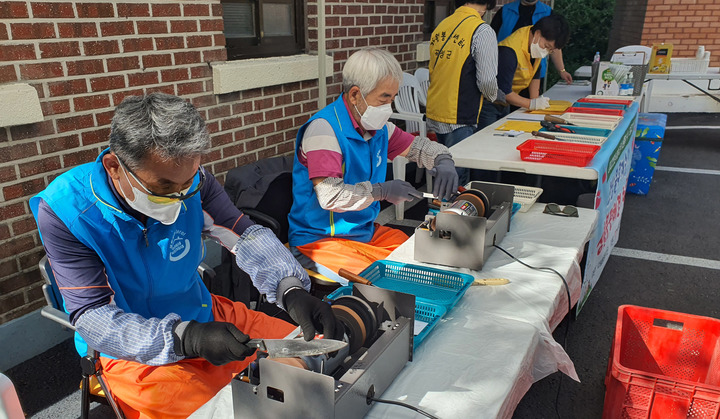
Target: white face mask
(375,117)
(536,51)
(165,213)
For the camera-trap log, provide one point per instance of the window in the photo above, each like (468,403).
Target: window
(263,28)
(435,12)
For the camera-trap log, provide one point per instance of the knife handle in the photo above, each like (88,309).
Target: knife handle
(255,343)
(543,135)
(556,120)
(353,277)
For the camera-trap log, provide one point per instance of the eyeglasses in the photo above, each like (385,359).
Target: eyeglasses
(166,199)
(567,211)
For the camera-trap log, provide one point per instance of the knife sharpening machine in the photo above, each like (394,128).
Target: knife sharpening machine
(379,329)
(463,232)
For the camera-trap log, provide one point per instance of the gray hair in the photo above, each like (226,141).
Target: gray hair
(159,123)
(368,67)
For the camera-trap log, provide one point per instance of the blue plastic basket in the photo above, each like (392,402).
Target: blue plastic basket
(434,286)
(426,312)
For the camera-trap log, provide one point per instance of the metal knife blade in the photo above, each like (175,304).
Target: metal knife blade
(287,348)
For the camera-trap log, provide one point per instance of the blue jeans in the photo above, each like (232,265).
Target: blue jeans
(491,113)
(452,138)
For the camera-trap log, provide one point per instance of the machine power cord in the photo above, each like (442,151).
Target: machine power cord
(567,325)
(411,407)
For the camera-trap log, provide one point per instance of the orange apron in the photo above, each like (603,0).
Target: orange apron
(177,390)
(335,253)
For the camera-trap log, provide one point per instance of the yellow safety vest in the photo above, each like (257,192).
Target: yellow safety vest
(525,70)
(453,96)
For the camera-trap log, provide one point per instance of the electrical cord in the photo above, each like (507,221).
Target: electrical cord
(567,325)
(411,407)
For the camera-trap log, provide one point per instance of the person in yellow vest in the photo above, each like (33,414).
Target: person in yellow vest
(519,57)
(463,69)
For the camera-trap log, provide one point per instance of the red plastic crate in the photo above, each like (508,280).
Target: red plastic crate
(557,152)
(663,364)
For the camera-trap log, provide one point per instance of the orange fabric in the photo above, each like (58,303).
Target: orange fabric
(334,253)
(176,390)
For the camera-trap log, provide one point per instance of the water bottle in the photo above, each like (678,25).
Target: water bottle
(630,84)
(596,59)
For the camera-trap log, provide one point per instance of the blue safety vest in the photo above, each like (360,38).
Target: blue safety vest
(362,161)
(152,267)
(510,16)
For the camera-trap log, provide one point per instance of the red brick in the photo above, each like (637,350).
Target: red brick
(52,10)
(55,107)
(85,103)
(137,44)
(216,55)
(183,26)
(118,97)
(94,10)
(201,71)
(187,57)
(79,157)
(211,25)
(3,32)
(65,88)
(96,136)
(18,190)
(13,10)
(142,79)
(40,71)
(30,260)
(117,28)
(17,245)
(8,73)
(101,47)
(217,9)
(107,83)
(104,118)
(17,152)
(155,26)
(219,40)
(165,10)
(133,10)
(39,129)
(59,144)
(77,30)
(220,140)
(175,74)
(123,63)
(169,89)
(12,211)
(172,42)
(9,267)
(59,49)
(39,166)
(17,52)
(190,88)
(75,123)
(199,41)
(196,10)
(7,174)
(156,60)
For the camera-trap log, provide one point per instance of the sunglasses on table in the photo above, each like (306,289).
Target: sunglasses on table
(555,209)
(170,198)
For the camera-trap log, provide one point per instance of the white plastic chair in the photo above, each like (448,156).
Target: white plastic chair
(647,51)
(408,110)
(9,402)
(423,77)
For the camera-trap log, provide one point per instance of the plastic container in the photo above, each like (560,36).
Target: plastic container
(557,152)
(663,364)
(689,65)
(646,151)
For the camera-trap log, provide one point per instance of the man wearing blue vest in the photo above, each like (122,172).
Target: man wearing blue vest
(521,13)
(341,165)
(124,237)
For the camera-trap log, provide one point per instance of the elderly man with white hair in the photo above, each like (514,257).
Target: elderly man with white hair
(341,165)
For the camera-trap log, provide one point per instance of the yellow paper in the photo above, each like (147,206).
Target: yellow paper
(556,107)
(525,126)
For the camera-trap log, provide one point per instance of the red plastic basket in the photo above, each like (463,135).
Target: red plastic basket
(557,152)
(663,364)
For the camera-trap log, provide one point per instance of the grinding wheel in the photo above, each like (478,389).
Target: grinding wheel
(364,311)
(354,327)
(477,198)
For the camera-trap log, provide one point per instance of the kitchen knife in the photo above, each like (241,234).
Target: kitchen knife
(288,348)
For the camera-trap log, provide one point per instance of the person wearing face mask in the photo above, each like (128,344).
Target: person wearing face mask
(520,13)
(340,169)
(463,66)
(519,58)
(124,236)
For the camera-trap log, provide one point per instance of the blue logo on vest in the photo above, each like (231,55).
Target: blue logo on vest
(179,246)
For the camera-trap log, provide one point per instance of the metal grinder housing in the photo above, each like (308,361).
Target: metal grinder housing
(466,241)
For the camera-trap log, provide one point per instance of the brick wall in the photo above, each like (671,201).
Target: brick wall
(684,23)
(84,57)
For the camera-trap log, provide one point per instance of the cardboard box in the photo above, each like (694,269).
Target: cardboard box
(648,141)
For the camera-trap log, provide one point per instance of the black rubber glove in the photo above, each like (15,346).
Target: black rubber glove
(312,315)
(218,342)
